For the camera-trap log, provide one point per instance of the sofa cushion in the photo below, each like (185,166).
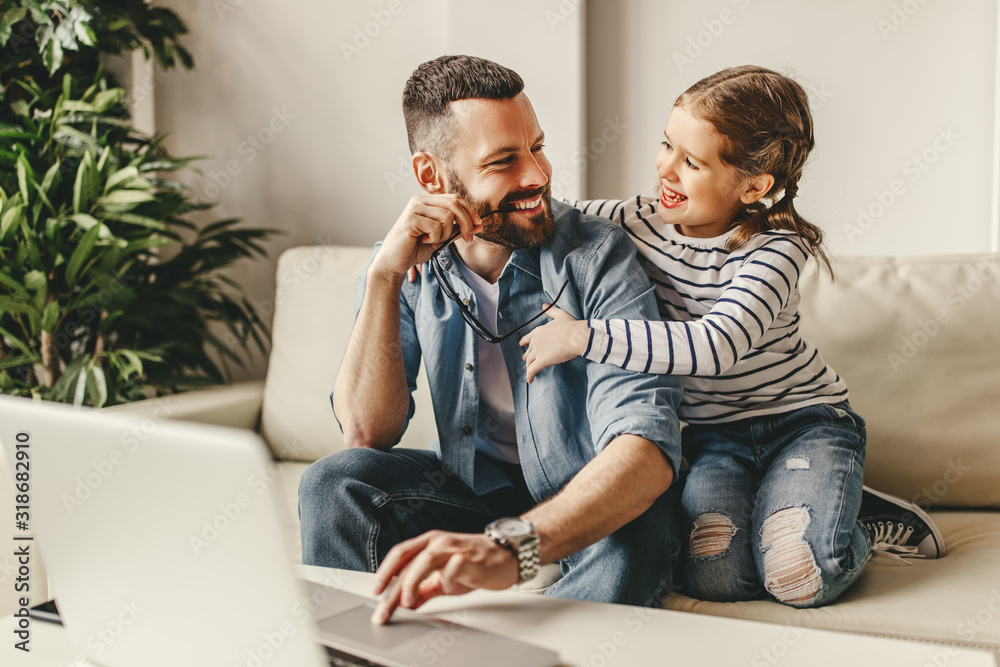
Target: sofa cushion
(313,320)
(918,342)
(953,600)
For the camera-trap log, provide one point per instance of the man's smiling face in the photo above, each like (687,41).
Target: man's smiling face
(497,163)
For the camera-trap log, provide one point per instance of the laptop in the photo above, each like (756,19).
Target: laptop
(164,547)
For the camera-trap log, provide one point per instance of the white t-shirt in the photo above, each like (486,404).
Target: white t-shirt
(496,436)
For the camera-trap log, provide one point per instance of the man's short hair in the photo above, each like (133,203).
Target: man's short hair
(433,85)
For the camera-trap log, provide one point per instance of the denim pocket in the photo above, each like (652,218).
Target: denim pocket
(841,414)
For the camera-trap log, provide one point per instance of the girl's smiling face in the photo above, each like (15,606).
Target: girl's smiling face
(699,192)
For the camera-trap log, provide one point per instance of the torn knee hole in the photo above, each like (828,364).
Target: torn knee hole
(790,571)
(711,534)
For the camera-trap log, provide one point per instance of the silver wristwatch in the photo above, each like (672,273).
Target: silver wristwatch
(518,536)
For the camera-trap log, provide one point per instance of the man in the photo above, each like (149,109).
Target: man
(570,469)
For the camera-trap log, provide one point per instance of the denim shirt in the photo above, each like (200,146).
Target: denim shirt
(571,411)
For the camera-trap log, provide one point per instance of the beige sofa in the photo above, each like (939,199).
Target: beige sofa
(918,341)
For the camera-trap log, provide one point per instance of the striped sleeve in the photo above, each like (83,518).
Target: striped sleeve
(611,209)
(711,345)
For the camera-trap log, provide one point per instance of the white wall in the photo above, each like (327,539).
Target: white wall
(303,106)
(903,94)
(299,106)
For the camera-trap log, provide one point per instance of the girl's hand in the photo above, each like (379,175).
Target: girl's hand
(562,339)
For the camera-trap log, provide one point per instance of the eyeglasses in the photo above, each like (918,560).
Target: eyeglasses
(463,308)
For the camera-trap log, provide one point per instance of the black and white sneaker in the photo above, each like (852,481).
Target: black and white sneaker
(899,527)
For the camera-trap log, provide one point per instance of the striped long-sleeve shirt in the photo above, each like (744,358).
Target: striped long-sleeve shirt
(731,322)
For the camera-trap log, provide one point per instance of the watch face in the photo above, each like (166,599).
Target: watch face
(511,527)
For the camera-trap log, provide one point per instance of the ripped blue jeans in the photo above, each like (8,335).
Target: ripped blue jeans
(772,504)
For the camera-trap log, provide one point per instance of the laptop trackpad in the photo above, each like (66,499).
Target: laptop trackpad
(355,627)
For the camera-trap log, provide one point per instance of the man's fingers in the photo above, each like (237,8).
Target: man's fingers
(389,603)
(434,224)
(396,560)
(417,570)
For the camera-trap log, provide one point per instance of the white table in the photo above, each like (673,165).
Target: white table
(601,635)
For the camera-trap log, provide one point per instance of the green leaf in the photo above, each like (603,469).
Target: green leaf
(107,98)
(24,176)
(97,386)
(81,254)
(84,220)
(9,220)
(77,105)
(147,244)
(133,359)
(134,219)
(51,177)
(7,21)
(81,388)
(50,316)
(22,360)
(15,341)
(52,56)
(120,177)
(81,186)
(15,287)
(36,283)
(10,305)
(85,33)
(127,198)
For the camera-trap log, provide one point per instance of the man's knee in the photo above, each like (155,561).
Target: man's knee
(791,574)
(328,475)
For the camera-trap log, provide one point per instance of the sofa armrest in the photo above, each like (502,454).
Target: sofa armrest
(237,405)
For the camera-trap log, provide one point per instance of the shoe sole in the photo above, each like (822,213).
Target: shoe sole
(917,511)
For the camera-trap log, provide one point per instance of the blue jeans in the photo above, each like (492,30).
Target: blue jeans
(773,503)
(356,504)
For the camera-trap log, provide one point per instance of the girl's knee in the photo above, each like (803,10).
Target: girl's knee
(791,574)
(711,535)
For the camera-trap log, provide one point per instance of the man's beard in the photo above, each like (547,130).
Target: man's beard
(500,228)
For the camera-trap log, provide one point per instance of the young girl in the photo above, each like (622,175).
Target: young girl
(776,454)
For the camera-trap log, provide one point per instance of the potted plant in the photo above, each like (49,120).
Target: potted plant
(108,292)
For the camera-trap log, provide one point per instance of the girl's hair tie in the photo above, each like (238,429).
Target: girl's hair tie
(791,190)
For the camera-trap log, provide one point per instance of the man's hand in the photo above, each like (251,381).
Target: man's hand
(440,563)
(426,222)
(562,339)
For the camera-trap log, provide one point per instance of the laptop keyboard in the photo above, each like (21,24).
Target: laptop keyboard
(341,659)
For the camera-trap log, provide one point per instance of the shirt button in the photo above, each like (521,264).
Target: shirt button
(468,367)
(466,430)
(465,301)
